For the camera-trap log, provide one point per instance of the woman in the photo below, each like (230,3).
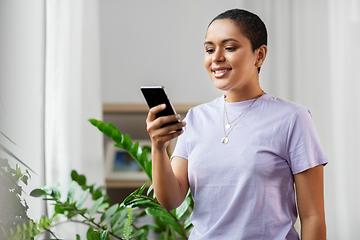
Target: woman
(242,153)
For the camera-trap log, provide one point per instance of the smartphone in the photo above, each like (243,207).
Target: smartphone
(156,95)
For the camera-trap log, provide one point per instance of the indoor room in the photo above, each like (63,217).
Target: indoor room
(76,133)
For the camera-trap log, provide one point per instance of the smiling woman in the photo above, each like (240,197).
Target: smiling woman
(243,165)
(230,61)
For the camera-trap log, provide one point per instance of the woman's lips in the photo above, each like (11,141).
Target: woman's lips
(220,73)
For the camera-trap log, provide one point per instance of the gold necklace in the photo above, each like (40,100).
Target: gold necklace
(225,139)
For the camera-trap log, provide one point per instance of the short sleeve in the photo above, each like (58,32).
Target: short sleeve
(180,147)
(304,147)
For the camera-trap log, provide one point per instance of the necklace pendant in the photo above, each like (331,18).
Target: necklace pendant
(225,140)
(228,126)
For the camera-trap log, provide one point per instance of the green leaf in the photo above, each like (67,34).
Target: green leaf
(82,198)
(78,237)
(119,231)
(150,189)
(164,236)
(89,232)
(24,179)
(108,130)
(58,209)
(74,175)
(103,206)
(117,136)
(111,125)
(173,234)
(101,235)
(156,212)
(181,210)
(95,205)
(142,202)
(131,195)
(71,193)
(28,173)
(135,150)
(101,126)
(173,224)
(81,180)
(97,194)
(93,121)
(187,222)
(148,169)
(127,144)
(143,158)
(105,235)
(37,193)
(118,217)
(141,233)
(55,191)
(141,190)
(108,213)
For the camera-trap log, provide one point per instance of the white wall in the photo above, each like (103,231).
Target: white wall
(161,43)
(22,88)
(156,43)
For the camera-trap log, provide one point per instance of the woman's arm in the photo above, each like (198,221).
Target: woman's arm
(169,178)
(310,199)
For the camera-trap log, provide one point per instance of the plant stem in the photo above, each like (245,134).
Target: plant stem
(180,225)
(96,226)
(90,223)
(51,233)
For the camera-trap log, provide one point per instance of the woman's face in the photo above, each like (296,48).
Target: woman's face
(229,59)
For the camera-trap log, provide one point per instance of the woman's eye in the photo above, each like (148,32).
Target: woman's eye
(230,48)
(209,50)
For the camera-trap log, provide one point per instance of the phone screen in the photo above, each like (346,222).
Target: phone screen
(156,95)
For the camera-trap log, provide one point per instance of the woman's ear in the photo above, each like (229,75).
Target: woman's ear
(261,55)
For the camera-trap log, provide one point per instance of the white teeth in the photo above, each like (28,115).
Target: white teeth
(221,71)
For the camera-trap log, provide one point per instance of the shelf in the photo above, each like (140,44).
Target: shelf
(140,108)
(124,184)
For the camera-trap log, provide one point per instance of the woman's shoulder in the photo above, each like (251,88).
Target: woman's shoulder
(281,105)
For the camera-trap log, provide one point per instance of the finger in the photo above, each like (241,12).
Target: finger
(165,138)
(153,126)
(175,127)
(169,130)
(166,119)
(154,110)
(158,133)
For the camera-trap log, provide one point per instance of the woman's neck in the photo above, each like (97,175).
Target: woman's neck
(246,94)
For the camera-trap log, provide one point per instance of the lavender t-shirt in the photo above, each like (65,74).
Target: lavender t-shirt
(245,189)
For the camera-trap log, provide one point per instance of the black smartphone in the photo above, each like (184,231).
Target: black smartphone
(156,95)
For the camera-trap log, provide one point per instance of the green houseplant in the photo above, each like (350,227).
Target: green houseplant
(118,221)
(15,223)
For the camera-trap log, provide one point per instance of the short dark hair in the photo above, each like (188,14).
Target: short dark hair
(249,24)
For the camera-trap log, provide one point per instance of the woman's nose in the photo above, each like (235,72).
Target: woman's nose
(218,57)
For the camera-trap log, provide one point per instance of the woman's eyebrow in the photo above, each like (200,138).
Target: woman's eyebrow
(229,39)
(223,41)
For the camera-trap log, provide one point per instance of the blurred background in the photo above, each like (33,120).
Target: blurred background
(63,62)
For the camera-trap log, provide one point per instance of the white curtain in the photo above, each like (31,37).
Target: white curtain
(22,90)
(313,60)
(72,96)
(50,87)
(343,181)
